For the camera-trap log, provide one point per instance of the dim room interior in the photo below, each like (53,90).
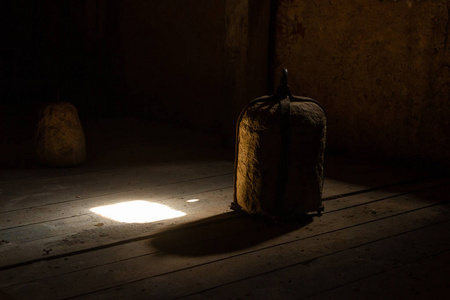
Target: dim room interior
(141,208)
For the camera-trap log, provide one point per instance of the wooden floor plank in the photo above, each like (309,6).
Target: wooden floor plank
(84,232)
(45,215)
(204,276)
(354,273)
(331,223)
(58,211)
(378,194)
(352,183)
(71,188)
(68,184)
(75,206)
(380,222)
(426,278)
(19,196)
(81,232)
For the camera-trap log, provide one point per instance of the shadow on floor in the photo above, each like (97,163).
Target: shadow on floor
(224,233)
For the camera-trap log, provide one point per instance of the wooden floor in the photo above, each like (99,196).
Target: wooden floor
(384,233)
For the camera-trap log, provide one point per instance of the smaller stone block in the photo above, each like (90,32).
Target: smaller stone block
(59,138)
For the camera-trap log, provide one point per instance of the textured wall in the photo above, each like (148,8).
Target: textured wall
(381,68)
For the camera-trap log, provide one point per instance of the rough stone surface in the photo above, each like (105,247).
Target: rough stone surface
(258,159)
(380,68)
(60,138)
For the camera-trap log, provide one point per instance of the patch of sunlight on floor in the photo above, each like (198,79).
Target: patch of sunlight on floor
(137,211)
(193,200)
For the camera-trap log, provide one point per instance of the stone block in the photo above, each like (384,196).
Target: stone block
(59,138)
(259,144)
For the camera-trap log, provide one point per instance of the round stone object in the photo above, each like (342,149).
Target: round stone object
(257,177)
(59,138)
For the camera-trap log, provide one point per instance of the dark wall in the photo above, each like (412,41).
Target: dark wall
(65,49)
(381,68)
(194,62)
(173,55)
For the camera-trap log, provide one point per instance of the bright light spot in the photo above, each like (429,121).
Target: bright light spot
(138,211)
(193,200)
